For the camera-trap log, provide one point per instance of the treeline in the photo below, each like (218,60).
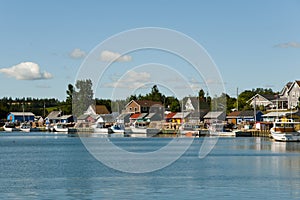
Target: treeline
(75,103)
(37,106)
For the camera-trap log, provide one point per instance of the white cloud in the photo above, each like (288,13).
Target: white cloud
(109,56)
(289,45)
(77,53)
(26,71)
(132,79)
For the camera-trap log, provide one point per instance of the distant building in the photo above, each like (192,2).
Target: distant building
(144,106)
(214,116)
(97,110)
(20,117)
(293,95)
(238,117)
(66,119)
(53,117)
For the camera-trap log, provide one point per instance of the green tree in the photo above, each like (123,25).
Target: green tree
(82,98)
(67,106)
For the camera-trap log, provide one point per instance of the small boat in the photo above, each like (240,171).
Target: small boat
(25,127)
(9,127)
(284,130)
(189,130)
(142,129)
(100,127)
(217,129)
(118,128)
(60,127)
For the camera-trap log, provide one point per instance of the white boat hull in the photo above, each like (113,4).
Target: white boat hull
(143,132)
(286,137)
(222,134)
(189,132)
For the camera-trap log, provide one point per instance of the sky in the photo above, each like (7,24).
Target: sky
(46,45)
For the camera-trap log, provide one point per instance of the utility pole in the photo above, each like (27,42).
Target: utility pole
(237,99)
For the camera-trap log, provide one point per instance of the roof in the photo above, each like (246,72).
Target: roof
(150,115)
(148,103)
(170,115)
(181,115)
(101,109)
(278,114)
(123,115)
(66,116)
(22,113)
(142,115)
(135,116)
(54,115)
(268,97)
(213,115)
(107,118)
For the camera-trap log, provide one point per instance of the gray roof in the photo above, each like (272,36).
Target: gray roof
(213,115)
(123,115)
(54,115)
(65,116)
(181,115)
(108,117)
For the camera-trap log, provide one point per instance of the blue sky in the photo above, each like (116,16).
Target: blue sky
(44,43)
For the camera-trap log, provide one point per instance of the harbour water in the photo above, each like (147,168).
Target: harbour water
(58,166)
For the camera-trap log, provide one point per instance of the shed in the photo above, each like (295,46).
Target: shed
(214,116)
(20,117)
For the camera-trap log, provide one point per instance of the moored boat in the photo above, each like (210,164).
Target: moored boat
(142,129)
(284,130)
(9,127)
(218,129)
(118,129)
(25,127)
(100,128)
(60,127)
(189,130)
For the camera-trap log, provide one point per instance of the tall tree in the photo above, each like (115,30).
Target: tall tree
(82,98)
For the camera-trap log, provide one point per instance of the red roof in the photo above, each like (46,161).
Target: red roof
(135,116)
(170,115)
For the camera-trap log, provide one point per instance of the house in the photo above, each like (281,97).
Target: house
(143,106)
(87,118)
(267,101)
(213,116)
(53,117)
(123,118)
(20,117)
(181,117)
(237,117)
(97,110)
(170,116)
(293,95)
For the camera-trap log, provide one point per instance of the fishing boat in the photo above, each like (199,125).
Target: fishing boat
(284,130)
(9,127)
(25,127)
